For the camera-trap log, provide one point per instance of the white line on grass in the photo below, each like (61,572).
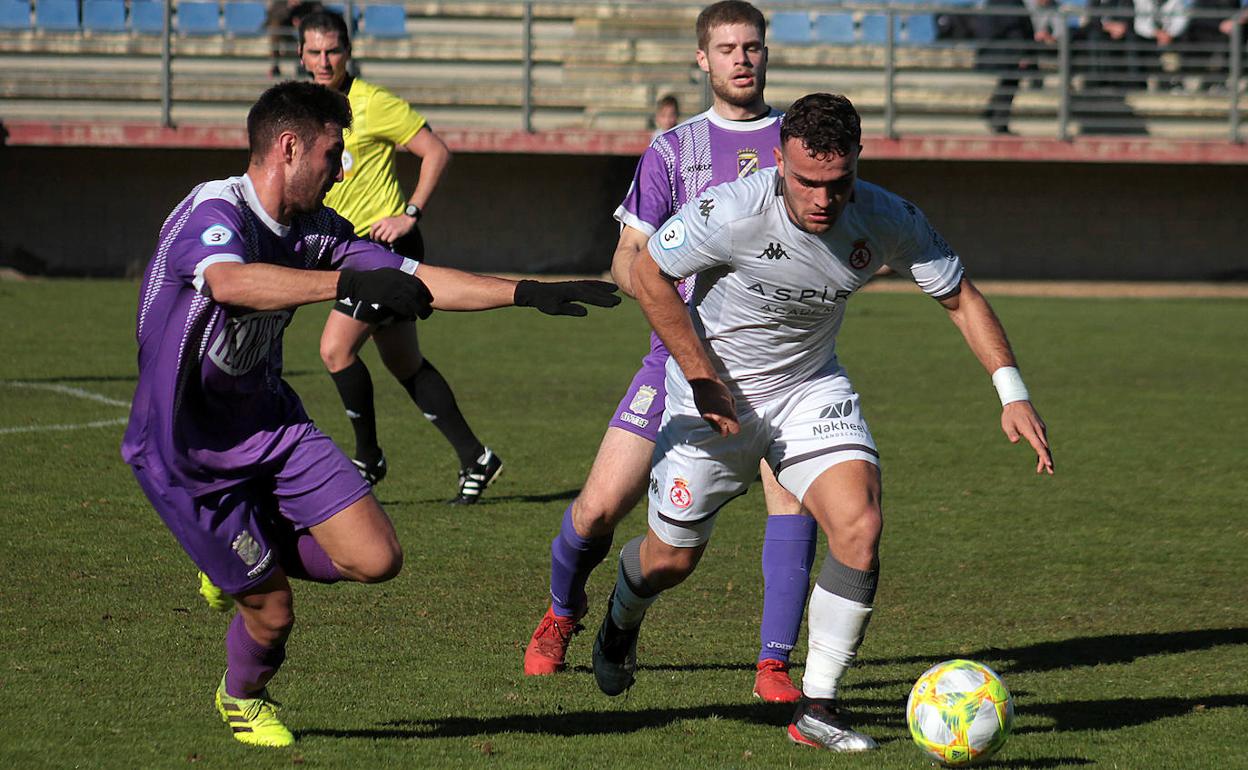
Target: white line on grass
(68,391)
(75,426)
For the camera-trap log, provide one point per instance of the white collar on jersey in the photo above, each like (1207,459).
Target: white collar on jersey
(753,124)
(253,202)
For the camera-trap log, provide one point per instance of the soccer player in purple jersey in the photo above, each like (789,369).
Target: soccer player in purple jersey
(218,441)
(731,140)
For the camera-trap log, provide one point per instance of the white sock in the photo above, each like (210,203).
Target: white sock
(837,626)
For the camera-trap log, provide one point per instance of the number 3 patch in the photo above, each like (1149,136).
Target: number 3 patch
(673,236)
(217,235)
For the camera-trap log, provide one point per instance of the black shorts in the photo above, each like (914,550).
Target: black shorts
(411,246)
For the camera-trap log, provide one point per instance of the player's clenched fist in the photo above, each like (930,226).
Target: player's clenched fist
(389,287)
(560,297)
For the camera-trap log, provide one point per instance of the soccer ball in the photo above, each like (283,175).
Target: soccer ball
(959,712)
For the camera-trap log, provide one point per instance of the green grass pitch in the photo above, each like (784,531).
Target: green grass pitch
(1111,597)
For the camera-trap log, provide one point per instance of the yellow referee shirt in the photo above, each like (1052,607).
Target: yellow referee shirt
(369,189)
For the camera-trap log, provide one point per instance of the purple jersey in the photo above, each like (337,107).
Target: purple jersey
(678,165)
(211,409)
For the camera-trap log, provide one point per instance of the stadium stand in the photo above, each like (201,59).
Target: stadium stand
(596,66)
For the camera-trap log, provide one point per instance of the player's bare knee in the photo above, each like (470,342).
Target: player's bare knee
(858,537)
(378,565)
(336,355)
(596,514)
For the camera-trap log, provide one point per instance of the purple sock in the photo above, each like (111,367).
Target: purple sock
(788,552)
(572,558)
(303,558)
(251,664)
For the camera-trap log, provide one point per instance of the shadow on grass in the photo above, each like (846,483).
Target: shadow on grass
(491,499)
(1115,713)
(1086,651)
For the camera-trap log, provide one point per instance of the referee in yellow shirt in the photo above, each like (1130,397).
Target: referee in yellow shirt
(370,198)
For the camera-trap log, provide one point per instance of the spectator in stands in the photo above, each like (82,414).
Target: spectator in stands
(369,196)
(282,22)
(1163,22)
(1004,51)
(1112,61)
(1207,37)
(666,114)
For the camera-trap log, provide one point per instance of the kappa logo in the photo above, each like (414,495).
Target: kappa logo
(705,207)
(747,162)
(860,257)
(680,495)
(774,251)
(843,409)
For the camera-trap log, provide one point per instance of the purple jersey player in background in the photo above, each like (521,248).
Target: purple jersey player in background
(731,140)
(218,441)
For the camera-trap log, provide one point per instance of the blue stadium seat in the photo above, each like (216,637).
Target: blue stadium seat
(14,14)
(198,18)
(244,19)
(147,17)
(385,21)
(57,15)
(104,15)
(875,28)
(921,30)
(835,28)
(789,27)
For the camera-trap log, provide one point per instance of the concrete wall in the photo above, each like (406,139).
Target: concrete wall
(97,211)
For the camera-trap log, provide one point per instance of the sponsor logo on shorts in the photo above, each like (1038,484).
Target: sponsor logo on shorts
(629,417)
(680,495)
(643,399)
(747,161)
(217,235)
(860,257)
(843,409)
(673,236)
(247,548)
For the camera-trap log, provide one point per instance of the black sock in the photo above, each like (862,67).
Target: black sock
(355,387)
(432,394)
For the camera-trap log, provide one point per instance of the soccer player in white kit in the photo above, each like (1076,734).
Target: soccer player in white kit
(754,374)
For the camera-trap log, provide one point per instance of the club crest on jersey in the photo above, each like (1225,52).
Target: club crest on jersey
(643,399)
(217,235)
(747,162)
(673,236)
(860,257)
(680,495)
(348,162)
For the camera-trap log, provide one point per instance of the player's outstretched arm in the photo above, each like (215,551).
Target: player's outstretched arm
(669,317)
(985,336)
(261,286)
(459,290)
(632,242)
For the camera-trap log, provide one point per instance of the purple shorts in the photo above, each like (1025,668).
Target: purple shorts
(641,409)
(232,534)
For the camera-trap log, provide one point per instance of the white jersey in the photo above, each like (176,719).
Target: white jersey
(769,297)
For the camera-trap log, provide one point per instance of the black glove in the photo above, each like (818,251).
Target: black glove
(405,295)
(560,297)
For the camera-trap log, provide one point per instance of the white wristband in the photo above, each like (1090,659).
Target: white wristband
(1009,385)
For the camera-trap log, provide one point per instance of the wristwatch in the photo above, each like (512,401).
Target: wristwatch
(412,211)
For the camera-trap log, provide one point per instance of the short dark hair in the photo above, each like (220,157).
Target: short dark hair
(325,21)
(728,12)
(668,100)
(299,106)
(827,124)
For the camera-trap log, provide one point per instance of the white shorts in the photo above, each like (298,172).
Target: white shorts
(801,434)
